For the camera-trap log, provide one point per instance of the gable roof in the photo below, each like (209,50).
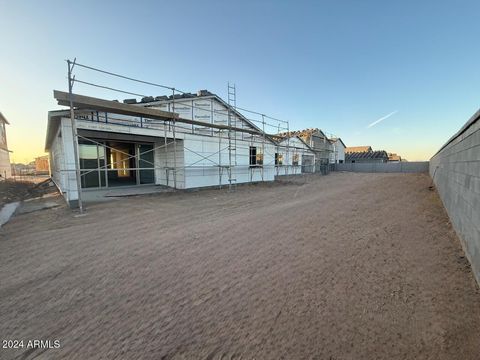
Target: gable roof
(280,140)
(352,149)
(54,118)
(3,119)
(204,94)
(380,154)
(333,140)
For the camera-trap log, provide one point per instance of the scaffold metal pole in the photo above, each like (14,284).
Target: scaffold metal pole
(174,143)
(75,135)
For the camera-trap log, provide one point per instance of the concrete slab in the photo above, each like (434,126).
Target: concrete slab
(90,196)
(7,211)
(138,190)
(40,203)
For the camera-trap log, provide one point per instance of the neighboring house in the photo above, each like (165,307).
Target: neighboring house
(355,149)
(41,165)
(337,156)
(367,157)
(394,157)
(294,156)
(5,167)
(317,142)
(19,169)
(136,143)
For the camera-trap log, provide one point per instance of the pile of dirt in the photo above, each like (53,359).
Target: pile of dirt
(11,190)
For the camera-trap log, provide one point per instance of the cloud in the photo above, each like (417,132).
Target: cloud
(382,118)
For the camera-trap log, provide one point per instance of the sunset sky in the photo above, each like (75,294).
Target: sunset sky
(399,76)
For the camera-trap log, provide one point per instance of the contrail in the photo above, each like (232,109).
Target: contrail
(382,118)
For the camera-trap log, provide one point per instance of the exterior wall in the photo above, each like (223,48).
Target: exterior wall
(202,158)
(5,167)
(62,162)
(455,170)
(322,148)
(164,159)
(338,153)
(289,149)
(379,167)
(341,152)
(56,159)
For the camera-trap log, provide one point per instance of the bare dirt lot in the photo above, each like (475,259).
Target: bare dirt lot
(345,266)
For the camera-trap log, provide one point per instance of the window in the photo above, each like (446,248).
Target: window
(278,159)
(296,159)
(256,157)
(253,156)
(259,158)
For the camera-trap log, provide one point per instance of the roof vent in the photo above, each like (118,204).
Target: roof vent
(130,101)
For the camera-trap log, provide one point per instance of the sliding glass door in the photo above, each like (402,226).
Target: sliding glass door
(146,164)
(92,165)
(114,163)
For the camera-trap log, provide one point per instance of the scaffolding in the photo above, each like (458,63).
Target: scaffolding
(232,135)
(236,127)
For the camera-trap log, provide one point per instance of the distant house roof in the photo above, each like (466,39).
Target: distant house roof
(304,134)
(394,157)
(381,154)
(354,149)
(3,119)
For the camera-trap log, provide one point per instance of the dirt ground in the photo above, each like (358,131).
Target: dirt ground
(345,266)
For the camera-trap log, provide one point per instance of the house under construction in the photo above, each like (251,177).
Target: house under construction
(181,141)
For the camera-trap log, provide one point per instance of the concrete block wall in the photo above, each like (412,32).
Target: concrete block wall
(391,167)
(455,170)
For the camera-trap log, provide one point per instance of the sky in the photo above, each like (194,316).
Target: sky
(400,76)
